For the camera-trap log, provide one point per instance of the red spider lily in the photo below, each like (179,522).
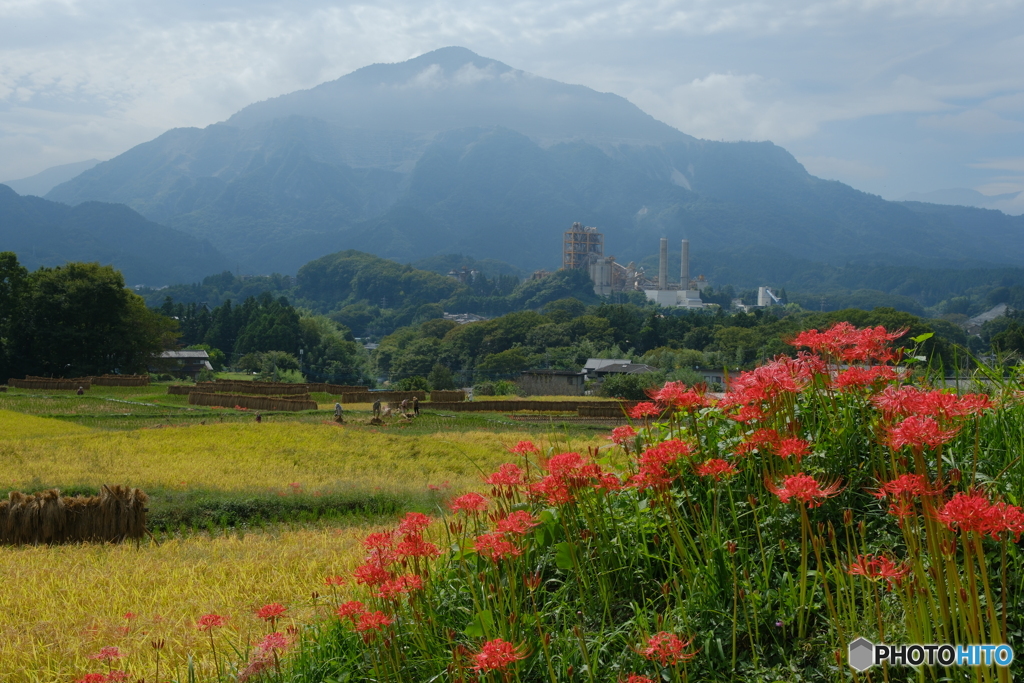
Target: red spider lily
(273,641)
(902,490)
(792,447)
(92,678)
(519,522)
(896,402)
(469,502)
(413,523)
(552,489)
(334,581)
(654,472)
(509,475)
(271,611)
(415,546)
(607,482)
(524,448)
(644,409)
(496,655)
(210,621)
(667,649)
(637,678)
(496,547)
(1006,519)
(371,574)
(748,414)
(623,435)
(804,488)
(130,615)
(716,468)
(969,511)
(857,377)
(107,654)
(877,568)
(400,585)
(761,440)
(765,384)
(844,342)
(380,541)
(917,431)
(373,621)
(351,610)
(676,395)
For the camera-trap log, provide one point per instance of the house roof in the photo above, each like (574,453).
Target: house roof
(598,363)
(626,368)
(553,372)
(198,354)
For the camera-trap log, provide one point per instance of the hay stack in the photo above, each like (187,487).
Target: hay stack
(117,514)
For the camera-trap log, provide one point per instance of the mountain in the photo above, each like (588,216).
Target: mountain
(44,181)
(45,233)
(1009,202)
(451,152)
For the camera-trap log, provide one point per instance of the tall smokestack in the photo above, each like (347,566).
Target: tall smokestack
(663,264)
(684,270)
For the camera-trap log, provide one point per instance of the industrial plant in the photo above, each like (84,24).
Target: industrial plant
(583,249)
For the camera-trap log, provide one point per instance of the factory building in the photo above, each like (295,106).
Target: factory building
(686,294)
(583,248)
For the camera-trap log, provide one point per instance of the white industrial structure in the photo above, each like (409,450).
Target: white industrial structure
(684,295)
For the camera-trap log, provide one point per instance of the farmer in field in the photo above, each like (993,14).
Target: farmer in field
(337,413)
(405,405)
(80,391)
(416,406)
(259,418)
(376,408)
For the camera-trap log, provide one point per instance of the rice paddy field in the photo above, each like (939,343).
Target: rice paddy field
(243,514)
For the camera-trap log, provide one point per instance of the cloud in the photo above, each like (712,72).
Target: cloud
(1007,164)
(974,121)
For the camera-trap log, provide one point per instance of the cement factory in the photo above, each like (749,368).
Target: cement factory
(583,249)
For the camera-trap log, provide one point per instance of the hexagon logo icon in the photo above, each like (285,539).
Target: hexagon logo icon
(862,654)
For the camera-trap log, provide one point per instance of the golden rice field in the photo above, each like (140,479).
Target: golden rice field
(234,456)
(61,604)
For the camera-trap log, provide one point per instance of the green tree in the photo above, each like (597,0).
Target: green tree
(13,289)
(78,319)
(441,378)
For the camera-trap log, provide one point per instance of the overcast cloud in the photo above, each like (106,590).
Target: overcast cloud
(889,96)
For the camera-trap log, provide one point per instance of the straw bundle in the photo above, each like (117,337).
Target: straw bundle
(447,396)
(48,384)
(382,396)
(252,402)
(118,513)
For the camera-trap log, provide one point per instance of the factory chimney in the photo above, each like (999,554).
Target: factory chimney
(684,270)
(663,264)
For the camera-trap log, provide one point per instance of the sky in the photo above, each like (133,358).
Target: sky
(889,96)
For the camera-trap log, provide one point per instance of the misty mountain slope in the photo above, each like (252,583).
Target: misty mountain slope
(45,233)
(451,152)
(456,88)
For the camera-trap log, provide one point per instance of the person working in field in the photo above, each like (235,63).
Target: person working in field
(405,405)
(415,406)
(376,408)
(337,413)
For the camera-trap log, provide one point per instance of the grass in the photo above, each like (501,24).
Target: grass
(62,604)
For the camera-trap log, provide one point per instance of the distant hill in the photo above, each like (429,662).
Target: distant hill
(451,152)
(1009,202)
(44,181)
(45,233)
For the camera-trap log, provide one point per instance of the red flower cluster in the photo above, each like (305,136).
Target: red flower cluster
(568,473)
(902,490)
(469,502)
(334,581)
(667,649)
(524,448)
(496,655)
(386,548)
(351,610)
(496,547)
(846,344)
(900,402)
(792,447)
(879,568)
(972,511)
(675,395)
(644,409)
(107,654)
(519,522)
(508,476)
(210,621)
(657,469)
(623,436)
(918,431)
(637,678)
(400,585)
(716,468)
(759,389)
(859,377)
(804,488)
(271,612)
